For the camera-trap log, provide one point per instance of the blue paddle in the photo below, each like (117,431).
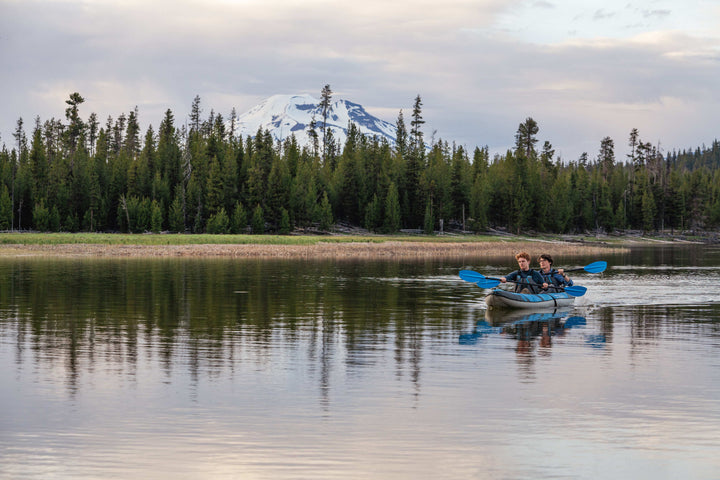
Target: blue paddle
(474,277)
(595,267)
(576,290)
(488,282)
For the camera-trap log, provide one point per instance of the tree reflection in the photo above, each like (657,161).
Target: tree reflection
(210,317)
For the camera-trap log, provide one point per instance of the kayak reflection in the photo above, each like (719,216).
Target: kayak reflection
(523,326)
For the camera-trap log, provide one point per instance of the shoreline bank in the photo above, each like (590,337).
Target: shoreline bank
(368,250)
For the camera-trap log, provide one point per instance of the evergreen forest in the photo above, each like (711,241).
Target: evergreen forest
(77,174)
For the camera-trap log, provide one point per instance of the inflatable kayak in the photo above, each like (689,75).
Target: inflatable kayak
(503,299)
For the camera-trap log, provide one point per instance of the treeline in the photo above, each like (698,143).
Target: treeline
(79,175)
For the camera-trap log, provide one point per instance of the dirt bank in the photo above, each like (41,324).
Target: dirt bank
(320,250)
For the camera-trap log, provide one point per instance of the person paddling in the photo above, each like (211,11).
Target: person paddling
(526,279)
(556,278)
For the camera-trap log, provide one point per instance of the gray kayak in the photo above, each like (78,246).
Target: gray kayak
(503,299)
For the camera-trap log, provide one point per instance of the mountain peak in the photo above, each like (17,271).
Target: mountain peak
(285,115)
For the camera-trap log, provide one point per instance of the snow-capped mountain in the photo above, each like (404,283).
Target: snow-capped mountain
(284,115)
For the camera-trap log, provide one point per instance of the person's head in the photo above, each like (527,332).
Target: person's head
(523,259)
(545,261)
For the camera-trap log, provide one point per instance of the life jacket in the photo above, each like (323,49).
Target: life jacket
(526,281)
(550,277)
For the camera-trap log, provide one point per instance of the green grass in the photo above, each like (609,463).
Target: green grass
(199,239)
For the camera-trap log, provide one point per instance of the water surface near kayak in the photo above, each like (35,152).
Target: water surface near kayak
(172,368)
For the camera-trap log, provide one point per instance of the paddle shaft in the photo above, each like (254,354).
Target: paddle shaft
(489,282)
(574,290)
(595,267)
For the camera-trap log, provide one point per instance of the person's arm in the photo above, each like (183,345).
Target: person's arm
(565,279)
(538,278)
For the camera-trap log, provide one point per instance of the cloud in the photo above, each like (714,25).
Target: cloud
(660,13)
(480,67)
(603,14)
(544,4)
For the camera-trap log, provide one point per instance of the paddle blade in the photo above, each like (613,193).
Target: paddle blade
(488,283)
(470,276)
(576,290)
(574,322)
(596,267)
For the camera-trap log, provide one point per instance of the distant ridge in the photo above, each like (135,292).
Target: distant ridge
(285,115)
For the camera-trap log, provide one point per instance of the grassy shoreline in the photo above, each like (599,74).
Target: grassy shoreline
(239,239)
(293,246)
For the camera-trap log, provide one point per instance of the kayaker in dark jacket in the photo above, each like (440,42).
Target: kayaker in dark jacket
(526,279)
(555,278)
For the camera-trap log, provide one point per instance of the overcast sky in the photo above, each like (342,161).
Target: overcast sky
(583,70)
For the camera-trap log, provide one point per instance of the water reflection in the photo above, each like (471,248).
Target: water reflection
(533,332)
(523,325)
(346,369)
(207,316)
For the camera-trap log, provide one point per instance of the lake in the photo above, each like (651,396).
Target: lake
(288,369)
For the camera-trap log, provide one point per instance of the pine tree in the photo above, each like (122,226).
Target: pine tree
(214,188)
(219,223)
(416,125)
(278,189)
(325,106)
(258,220)
(525,139)
(392,210)
(156,217)
(324,215)
(76,126)
(169,158)
(5,209)
(621,217)
(20,137)
(195,113)
(649,210)
(606,157)
(41,217)
(303,192)
(239,219)
(132,135)
(401,136)
(233,123)
(460,184)
(429,222)
(176,214)
(312,133)
(372,214)
(284,222)
(92,126)
(39,164)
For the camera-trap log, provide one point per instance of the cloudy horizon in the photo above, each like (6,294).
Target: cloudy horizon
(582,70)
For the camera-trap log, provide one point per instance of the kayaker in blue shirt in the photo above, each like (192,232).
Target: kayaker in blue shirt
(556,278)
(526,279)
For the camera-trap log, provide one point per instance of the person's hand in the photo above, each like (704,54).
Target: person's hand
(503,279)
(561,271)
(545,285)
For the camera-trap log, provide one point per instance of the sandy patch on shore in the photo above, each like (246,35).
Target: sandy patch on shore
(320,250)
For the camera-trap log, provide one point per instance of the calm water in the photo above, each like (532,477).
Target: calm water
(185,369)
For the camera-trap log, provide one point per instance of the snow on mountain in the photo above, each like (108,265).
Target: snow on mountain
(283,115)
